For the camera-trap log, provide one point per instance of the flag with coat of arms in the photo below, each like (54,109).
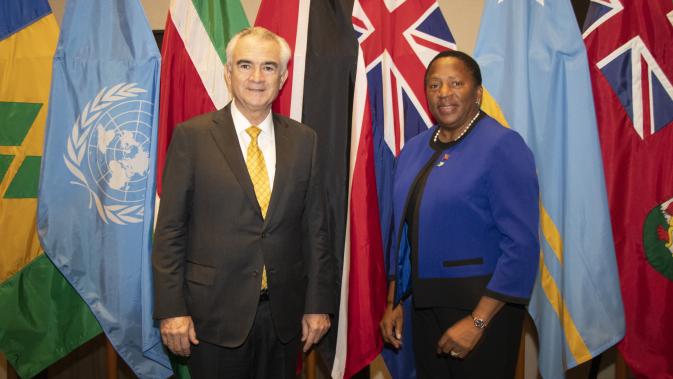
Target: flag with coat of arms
(631,65)
(96,195)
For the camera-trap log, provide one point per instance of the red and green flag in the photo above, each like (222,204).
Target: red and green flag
(193,58)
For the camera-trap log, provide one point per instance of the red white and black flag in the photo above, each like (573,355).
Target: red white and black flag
(319,93)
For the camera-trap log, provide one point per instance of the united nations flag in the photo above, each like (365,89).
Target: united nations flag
(97,183)
(108,152)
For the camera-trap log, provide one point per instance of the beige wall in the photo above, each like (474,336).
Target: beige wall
(462,15)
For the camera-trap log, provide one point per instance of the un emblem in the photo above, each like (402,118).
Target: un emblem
(108,152)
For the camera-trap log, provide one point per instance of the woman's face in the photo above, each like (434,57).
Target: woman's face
(452,94)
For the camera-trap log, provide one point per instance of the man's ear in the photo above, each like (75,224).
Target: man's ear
(283,78)
(227,76)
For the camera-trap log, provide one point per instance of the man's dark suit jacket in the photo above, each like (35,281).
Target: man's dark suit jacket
(211,240)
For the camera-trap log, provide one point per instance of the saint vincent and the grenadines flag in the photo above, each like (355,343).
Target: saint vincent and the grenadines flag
(631,57)
(535,65)
(97,182)
(42,317)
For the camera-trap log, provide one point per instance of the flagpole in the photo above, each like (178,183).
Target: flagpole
(520,371)
(311,365)
(111,361)
(621,369)
(11,373)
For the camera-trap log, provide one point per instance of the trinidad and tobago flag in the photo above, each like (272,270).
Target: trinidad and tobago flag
(319,93)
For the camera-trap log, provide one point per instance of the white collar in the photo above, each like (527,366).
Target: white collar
(241,123)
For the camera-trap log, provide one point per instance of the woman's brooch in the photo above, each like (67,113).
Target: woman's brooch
(444,159)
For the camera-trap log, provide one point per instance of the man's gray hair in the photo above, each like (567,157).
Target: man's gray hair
(264,34)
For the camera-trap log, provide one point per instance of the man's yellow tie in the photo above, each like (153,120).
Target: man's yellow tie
(260,178)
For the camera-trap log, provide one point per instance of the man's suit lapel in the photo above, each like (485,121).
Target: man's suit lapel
(283,164)
(225,137)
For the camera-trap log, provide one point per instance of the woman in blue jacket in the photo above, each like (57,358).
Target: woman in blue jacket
(466,232)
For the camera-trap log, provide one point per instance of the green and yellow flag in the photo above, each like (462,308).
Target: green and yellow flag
(41,317)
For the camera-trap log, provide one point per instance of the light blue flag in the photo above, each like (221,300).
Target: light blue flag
(535,65)
(96,196)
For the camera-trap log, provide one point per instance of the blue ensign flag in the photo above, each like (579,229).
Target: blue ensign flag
(97,184)
(534,63)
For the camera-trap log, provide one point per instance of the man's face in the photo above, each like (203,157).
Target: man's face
(451,92)
(254,75)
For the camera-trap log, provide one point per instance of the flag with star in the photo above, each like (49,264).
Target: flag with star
(631,62)
(535,65)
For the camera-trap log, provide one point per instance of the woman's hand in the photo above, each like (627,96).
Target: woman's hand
(460,339)
(391,325)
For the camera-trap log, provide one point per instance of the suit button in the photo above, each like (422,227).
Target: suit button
(254,274)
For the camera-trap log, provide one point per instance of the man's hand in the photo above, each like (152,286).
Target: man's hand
(313,327)
(459,340)
(391,325)
(177,333)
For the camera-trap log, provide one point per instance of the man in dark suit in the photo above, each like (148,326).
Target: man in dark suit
(241,267)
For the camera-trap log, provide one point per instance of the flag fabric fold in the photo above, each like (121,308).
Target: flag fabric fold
(43,318)
(97,182)
(630,56)
(289,19)
(535,66)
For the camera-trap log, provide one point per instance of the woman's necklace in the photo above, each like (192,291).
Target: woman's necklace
(461,133)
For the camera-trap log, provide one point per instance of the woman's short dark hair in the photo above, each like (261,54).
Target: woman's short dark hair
(470,63)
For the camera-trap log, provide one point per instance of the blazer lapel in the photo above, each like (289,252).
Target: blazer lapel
(225,137)
(283,146)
